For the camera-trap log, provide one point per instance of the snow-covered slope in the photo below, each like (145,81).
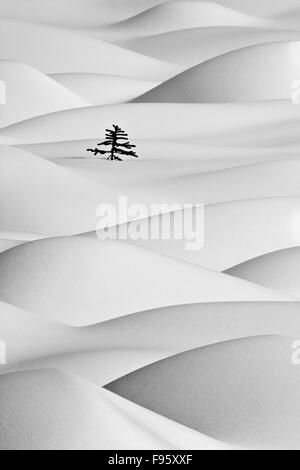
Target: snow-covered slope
(29,93)
(88,417)
(257,73)
(178,15)
(88,267)
(144,344)
(278,270)
(104,89)
(226,378)
(77,53)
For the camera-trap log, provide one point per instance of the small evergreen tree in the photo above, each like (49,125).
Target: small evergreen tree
(119,144)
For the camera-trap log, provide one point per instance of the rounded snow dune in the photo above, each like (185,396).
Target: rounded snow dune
(239,231)
(279,270)
(190,47)
(104,89)
(29,93)
(233,125)
(267,8)
(81,273)
(74,13)
(159,153)
(233,184)
(146,344)
(99,366)
(77,53)
(52,410)
(178,15)
(258,73)
(244,392)
(9,240)
(6,244)
(290,17)
(35,342)
(187,183)
(42,198)
(57,201)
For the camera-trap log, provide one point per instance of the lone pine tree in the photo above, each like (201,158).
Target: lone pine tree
(119,144)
